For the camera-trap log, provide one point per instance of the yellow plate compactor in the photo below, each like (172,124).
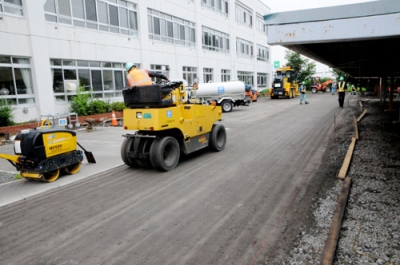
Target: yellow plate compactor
(43,153)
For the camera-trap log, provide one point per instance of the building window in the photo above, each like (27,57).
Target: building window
(117,16)
(225,75)
(262,53)
(207,75)
(13,7)
(217,5)
(215,40)
(260,24)
(246,77)
(190,74)
(244,15)
(103,79)
(160,69)
(262,80)
(244,48)
(16,80)
(167,28)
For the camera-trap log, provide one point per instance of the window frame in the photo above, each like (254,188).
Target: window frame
(246,77)
(183,31)
(92,69)
(14,97)
(189,73)
(208,75)
(215,40)
(102,15)
(11,9)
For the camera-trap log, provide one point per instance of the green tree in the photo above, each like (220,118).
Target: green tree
(81,102)
(337,74)
(303,67)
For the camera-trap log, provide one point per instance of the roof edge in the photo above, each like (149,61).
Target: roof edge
(372,8)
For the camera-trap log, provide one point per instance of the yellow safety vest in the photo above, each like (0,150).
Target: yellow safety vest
(138,77)
(341,86)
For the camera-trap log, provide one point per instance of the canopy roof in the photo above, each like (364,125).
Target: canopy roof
(362,39)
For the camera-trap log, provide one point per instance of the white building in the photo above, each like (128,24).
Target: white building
(50,48)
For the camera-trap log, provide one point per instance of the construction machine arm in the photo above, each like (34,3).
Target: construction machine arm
(13,159)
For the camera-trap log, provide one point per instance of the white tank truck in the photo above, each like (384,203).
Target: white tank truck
(225,94)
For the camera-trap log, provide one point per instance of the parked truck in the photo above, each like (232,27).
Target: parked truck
(284,84)
(225,94)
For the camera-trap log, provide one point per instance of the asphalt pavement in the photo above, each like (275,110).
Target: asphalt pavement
(237,206)
(104,143)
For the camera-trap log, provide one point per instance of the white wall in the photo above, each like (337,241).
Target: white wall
(34,37)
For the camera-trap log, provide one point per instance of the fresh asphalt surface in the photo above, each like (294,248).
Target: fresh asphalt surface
(228,207)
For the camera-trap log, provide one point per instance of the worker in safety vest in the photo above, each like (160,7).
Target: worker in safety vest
(302,90)
(334,88)
(139,77)
(342,88)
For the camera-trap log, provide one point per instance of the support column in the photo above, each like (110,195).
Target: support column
(40,61)
(391,94)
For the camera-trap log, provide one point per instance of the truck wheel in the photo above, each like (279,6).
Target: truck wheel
(165,153)
(126,147)
(314,90)
(218,137)
(226,106)
(327,89)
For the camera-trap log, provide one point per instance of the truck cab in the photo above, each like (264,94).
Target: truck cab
(284,84)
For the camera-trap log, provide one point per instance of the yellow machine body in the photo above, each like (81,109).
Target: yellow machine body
(40,154)
(167,122)
(191,119)
(58,143)
(284,84)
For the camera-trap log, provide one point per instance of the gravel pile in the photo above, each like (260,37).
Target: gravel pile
(370,231)
(6,176)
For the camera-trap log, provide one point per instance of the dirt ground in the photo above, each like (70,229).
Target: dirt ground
(370,228)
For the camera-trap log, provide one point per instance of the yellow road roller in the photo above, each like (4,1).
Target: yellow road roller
(168,123)
(43,153)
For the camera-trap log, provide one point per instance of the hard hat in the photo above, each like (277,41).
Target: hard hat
(128,66)
(341,78)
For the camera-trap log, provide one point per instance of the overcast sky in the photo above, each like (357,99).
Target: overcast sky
(278,52)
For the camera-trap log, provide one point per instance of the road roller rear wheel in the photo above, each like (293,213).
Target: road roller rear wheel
(128,146)
(165,153)
(144,147)
(72,169)
(50,176)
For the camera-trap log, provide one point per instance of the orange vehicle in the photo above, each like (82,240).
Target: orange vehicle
(316,85)
(251,93)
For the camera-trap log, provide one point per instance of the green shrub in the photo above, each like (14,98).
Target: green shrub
(6,116)
(98,107)
(81,102)
(118,106)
